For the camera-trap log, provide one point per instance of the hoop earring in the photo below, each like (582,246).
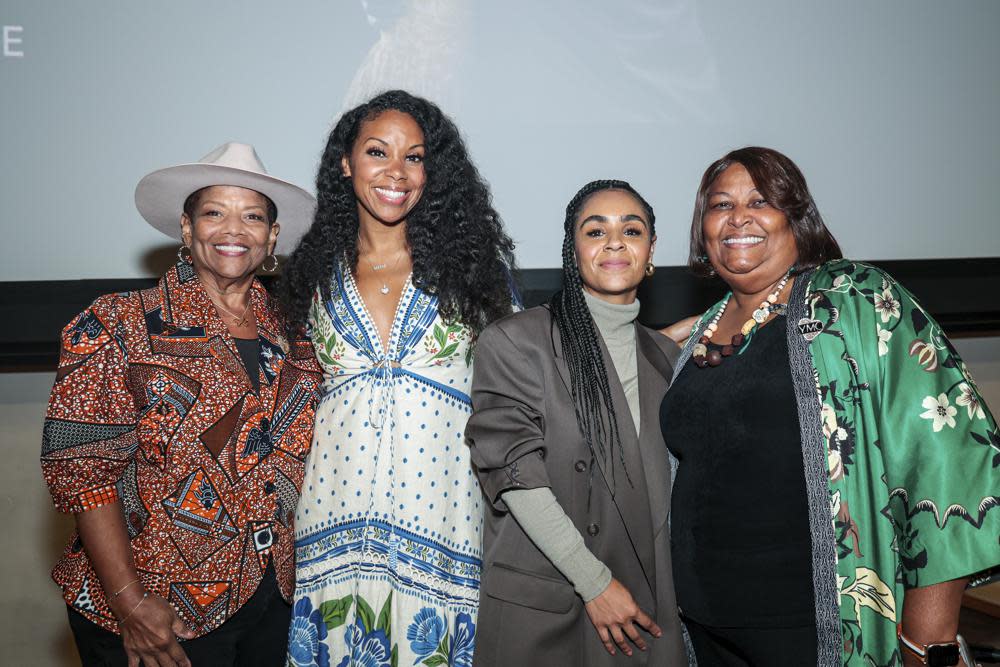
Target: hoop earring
(650,269)
(273,267)
(188,258)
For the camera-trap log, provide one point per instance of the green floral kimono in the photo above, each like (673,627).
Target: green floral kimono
(899,449)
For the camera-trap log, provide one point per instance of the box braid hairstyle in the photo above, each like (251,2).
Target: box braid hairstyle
(581,347)
(459,248)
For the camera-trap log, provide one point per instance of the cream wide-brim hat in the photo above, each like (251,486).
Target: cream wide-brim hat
(160,195)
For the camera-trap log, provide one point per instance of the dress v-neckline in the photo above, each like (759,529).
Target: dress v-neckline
(384,347)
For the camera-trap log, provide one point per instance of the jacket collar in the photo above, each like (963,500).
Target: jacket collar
(186,304)
(654,379)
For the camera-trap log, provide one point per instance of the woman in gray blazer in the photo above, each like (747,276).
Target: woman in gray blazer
(567,445)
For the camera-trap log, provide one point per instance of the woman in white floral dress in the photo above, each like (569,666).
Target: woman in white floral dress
(405,263)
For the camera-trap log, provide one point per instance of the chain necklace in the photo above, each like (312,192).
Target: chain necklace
(238,320)
(702,356)
(378,267)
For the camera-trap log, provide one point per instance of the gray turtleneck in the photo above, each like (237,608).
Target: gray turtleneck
(616,323)
(536,510)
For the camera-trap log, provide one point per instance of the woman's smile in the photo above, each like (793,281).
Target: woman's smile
(742,241)
(616,264)
(392,196)
(231,249)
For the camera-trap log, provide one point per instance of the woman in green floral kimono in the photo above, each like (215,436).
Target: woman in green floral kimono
(837,471)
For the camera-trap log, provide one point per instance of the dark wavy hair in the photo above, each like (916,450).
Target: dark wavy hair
(581,346)
(784,187)
(459,248)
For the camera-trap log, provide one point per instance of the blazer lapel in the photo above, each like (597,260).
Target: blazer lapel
(556,339)
(630,493)
(654,379)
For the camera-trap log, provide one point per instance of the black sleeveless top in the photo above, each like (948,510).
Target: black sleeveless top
(740,536)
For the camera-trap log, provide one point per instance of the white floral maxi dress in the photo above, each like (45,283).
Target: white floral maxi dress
(388,525)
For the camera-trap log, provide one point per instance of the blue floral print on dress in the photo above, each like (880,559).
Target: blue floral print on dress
(367,649)
(425,632)
(462,642)
(306,647)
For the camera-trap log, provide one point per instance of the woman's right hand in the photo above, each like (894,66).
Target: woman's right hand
(150,632)
(615,614)
(679,331)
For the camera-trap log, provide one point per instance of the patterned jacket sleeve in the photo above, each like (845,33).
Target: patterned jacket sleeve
(506,429)
(90,425)
(940,445)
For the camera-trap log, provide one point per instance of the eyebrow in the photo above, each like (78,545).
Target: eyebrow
(386,143)
(723,192)
(603,219)
(215,202)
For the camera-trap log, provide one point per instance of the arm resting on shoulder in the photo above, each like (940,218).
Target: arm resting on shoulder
(680,331)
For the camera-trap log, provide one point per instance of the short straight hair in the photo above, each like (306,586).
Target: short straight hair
(784,187)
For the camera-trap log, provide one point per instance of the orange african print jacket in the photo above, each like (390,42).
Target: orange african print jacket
(152,407)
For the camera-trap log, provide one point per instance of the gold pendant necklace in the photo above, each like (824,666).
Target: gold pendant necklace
(238,320)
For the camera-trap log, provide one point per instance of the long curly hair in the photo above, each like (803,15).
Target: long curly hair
(580,341)
(457,242)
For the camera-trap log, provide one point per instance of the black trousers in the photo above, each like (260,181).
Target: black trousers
(255,636)
(752,647)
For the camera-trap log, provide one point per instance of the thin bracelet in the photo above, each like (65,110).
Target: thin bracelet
(145,594)
(122,589)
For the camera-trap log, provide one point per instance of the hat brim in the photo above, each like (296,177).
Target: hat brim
(160,196)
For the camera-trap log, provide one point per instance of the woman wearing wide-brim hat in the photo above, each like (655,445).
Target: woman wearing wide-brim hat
(177,430)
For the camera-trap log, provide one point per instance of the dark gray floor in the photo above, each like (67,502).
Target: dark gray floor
(981,629)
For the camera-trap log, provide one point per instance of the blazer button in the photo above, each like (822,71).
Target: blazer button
(593,529)
(580,466)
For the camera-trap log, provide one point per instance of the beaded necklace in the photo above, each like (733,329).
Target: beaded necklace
(702,356)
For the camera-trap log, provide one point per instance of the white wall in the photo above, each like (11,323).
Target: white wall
(33,629)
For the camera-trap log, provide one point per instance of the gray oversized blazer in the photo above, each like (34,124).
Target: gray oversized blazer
(524,434)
